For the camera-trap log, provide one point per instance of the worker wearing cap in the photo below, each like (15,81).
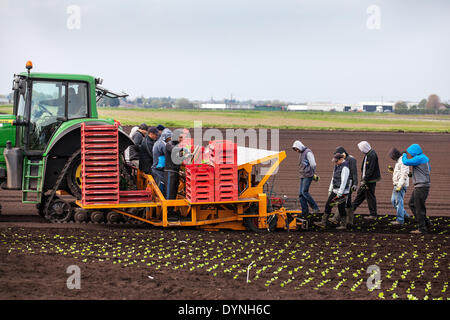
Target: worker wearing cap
(146,150)
(338,190)
(352,165)
(400,180)
(307,164)
(370,174)
(137,138)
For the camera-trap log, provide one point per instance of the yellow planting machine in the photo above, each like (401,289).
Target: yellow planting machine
(250,209)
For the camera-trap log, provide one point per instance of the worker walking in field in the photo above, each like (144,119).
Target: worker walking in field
(370,174)
(400,180)
(307,164)
(146,150)
(421,180)
(352,165)
(338,191)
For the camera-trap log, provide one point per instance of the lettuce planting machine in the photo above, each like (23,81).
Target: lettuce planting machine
(222,192)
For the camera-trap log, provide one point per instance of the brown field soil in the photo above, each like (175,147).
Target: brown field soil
(140,262)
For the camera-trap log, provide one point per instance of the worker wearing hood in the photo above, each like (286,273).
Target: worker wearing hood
(370,174)
(307,167)
(159,159)
(421,180)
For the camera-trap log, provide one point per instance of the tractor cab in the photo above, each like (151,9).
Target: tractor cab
(43,134)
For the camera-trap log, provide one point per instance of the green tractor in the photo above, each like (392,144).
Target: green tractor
(40,143)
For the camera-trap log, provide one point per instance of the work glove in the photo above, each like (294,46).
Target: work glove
(390,169)
(316,178)
(353,188)
(398,189)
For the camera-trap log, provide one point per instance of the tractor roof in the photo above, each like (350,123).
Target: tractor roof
(60,76)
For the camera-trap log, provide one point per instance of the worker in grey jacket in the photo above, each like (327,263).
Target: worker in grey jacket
(159,160)
(421,180)
(307,164)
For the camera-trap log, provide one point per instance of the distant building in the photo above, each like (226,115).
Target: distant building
(325,107)
(213,106)
(376,106)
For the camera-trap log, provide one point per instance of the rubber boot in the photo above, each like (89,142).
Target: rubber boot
(350,216)
(323,222)
(342,225)
(335,219)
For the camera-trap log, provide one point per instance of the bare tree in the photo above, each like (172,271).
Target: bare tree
(434,102)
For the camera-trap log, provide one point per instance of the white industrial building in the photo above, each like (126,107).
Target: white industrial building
(319,107)
(213,106)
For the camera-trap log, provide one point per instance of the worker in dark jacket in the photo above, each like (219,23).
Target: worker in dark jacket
(370,174)
(421,180)
(173,154)
(338,190)
(137,138)
(307,164)
(353,178)
(146,150)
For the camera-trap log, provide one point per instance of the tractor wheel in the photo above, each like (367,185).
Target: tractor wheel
(73,176)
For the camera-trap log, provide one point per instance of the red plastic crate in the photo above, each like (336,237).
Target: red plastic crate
(222,152)
(199,183)
(99,164)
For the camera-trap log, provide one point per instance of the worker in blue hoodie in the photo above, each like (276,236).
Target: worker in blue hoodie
(421,180)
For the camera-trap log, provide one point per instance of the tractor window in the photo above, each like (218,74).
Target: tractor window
(77,103)
(47,110)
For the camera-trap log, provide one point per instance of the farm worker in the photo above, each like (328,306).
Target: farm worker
(421,179)
(370,175)
(162,129)
(400,180)
(127,150)
(137,138)
(307,164)
(173,154)
(338,190)
(159,160)
(146,150)
(353,184)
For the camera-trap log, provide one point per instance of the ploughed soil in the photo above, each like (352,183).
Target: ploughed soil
(141,262)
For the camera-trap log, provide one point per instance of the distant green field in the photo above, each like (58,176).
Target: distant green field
(349,121)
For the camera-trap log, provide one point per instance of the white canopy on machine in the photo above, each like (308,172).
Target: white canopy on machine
(246,155)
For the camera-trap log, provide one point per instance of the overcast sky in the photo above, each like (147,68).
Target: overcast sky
(295,50)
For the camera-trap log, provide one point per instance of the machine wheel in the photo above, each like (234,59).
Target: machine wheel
(251,223)
(113,217)
(80,215)
(73,176)
(59,211)
(97,216)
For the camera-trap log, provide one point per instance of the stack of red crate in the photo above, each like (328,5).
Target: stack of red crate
(100,164)
(199,183)
(223,157)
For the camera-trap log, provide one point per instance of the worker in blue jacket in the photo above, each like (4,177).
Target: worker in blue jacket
(421,180)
